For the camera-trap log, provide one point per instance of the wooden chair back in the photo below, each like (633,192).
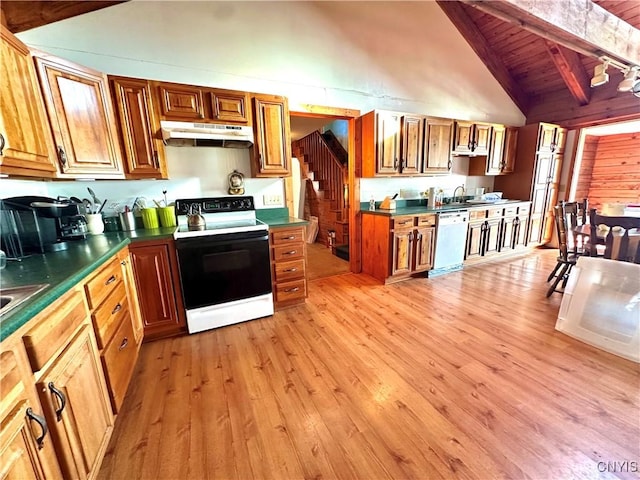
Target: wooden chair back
(575,215)
(621,227)
(561,230)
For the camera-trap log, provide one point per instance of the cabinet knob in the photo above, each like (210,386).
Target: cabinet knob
(111,279)
(291,252)
(62,400)
(290,290)
(449,165)
(123,262)
(294,269)
(116,309)
(1,145)
(123,345)
(395,164)
(43,425)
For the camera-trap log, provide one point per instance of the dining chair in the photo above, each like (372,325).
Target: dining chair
(576,215)
(566,259)
(621,238)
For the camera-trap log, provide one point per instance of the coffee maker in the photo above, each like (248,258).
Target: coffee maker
(35,224)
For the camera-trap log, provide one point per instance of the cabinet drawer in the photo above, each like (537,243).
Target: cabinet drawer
(288,252)
(293,290)
(108,317)
(477,215)
(103,283)
(510,211)
(524,209)
(54,331)
(494,212)
(118,360)
(284,236)
(402,222)
(285,271)
(426,221)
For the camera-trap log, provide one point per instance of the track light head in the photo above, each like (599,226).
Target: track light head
(631,81)
(600,75)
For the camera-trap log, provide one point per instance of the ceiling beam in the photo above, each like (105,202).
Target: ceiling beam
(476,40)
(580,25)
(571,70)
(20,16)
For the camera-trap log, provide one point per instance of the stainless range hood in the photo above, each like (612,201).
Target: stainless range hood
(185,134)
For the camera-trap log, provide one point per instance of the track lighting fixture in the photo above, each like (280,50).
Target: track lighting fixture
(631,81)
(600,75)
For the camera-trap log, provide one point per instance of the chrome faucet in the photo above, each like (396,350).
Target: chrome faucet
(455,197)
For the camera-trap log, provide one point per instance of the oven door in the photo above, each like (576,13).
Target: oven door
(216,269)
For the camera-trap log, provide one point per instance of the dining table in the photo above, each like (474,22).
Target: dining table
(583,232)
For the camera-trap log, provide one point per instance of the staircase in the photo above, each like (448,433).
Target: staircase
(325,170)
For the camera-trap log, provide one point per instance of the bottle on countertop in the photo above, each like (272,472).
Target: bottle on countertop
(372,204)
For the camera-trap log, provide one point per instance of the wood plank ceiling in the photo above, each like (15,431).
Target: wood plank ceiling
(547,81)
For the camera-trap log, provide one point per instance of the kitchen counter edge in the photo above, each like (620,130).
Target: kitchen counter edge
(420,209)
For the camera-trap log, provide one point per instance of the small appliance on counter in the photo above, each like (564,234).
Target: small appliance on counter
(34,224)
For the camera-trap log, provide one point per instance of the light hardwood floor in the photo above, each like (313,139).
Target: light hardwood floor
(322,263)
(460,376)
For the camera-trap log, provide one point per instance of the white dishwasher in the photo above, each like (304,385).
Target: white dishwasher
(450,241)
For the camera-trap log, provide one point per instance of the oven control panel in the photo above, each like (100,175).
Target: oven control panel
(214,205)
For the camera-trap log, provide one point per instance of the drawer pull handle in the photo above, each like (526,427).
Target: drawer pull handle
(291,252)
(294,269)
(116,309)
(123,345)
(291,290)
(123,262)
(291,237)
(111,279)
(43,425)
(61,399)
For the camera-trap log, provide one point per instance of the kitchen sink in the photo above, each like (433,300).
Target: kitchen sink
(10,298)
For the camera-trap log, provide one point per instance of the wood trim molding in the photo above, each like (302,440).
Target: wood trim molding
(476,40)
(571,70)
(321,111)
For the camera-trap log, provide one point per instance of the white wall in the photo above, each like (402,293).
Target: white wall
(404,56)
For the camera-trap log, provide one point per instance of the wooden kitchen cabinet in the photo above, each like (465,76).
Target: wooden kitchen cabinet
(271,152)
(411,147)
(387,141)
(514,227)
(395,248)
(81,118)
(230,106)
(471,138)
(69,379)
(536,176)
(113,314)
(510,149)
(26,147)
(138,126)
(180,102)
(157,282)
(26,447)
(500,159)
(288,265)
(437,145)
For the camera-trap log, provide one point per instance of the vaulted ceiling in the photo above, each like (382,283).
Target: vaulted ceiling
(543,66)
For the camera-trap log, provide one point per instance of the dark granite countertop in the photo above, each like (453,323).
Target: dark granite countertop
(413,209)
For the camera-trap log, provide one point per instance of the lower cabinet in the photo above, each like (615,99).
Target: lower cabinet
(157,281)
(496,230)
(26,448)
(288,265)
(394,248)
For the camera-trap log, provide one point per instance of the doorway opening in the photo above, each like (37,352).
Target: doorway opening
(322,145)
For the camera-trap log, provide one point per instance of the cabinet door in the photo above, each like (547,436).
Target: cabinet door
(535,228)
(81,118)
(475,235)
(181,102)
(424,248)
(154,267)
(521,231)
(401,244)
(26,450)
(491,243)
(508,234)
(437,146)
(412,137)
(481,138)
(75,399)
(495,157)
(132,295)
(272,157)
(229,106)
(388,143)
(510,146)
(143,153)
(546,138)
(463,138)
(25,140)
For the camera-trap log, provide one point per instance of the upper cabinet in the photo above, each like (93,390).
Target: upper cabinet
(201,104)
(271,150)
(471,138)
(500,158)
(391,143)
(437,145)
(138,126)
(81,119)
(25,141)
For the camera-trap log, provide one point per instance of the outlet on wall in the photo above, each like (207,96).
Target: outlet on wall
(272,199)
